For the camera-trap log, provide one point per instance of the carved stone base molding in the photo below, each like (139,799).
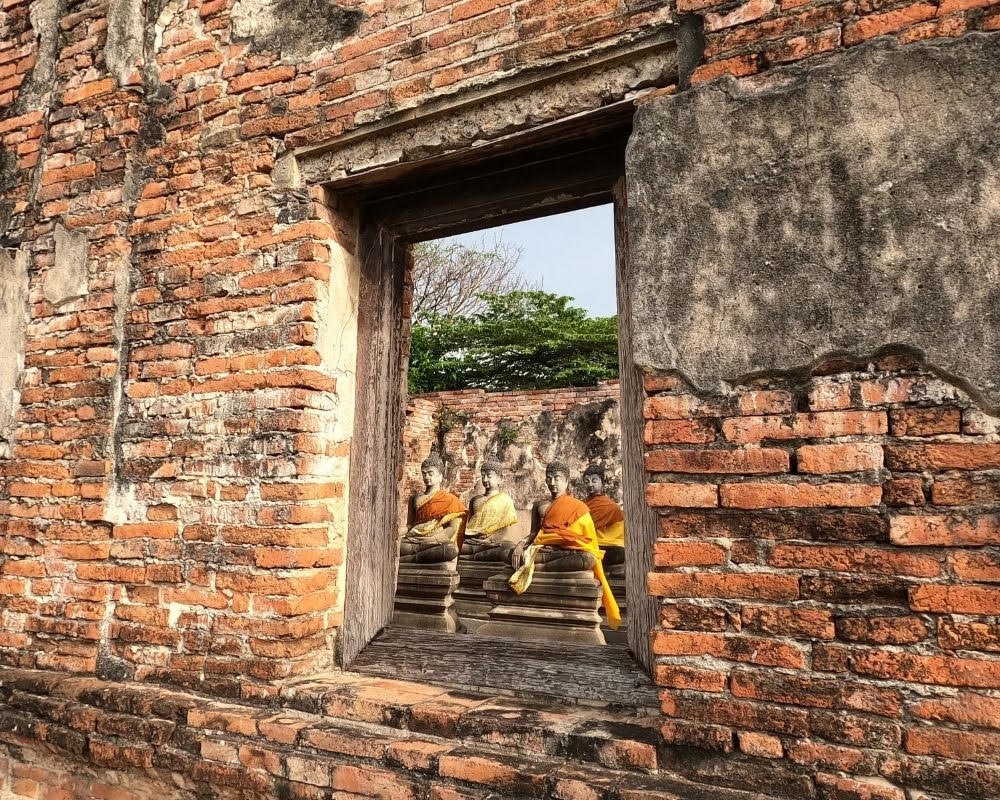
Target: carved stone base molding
(471,602)
(557,607)
(424,597)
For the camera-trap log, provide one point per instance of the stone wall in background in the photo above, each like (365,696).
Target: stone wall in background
(524,430)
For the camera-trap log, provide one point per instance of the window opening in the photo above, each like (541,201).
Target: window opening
(511,523)
(427,202)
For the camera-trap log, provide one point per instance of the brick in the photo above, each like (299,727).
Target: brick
(980,566)
(879,24)
(520,778)
(924,421)
(755,460)
(795,48)
(759,717)
(799,622)
(860,589)
(958,745)
(747,12)
(799,495)
(826,756)
(882,630)
(966,490)
(835,787)
(904,492)
(761,745)
(815,692)
(88,90)
(829,458)
(818,425)
(348,741)
(694,617)
(955,599)
(969,636)
(675,676)
(729,586)
(738,67)
(418,755)
(262,77)
(854,558)
(929,669)
(965,708)
(818,524)
(944,531)
(691,734)
(682,495)
(679,431)
(687,554)
(855,729)
(371,782)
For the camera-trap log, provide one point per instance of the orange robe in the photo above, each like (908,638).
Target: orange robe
(608,520)
(441,509)
(568,524)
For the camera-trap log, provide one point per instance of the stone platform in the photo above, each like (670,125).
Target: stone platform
(557,607)
(471,602)
(424,597)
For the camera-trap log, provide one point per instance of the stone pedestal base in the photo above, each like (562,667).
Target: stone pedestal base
(616,580)
(424,597)
(557,607)
(471,602)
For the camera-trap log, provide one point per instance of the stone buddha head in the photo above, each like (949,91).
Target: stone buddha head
(557,477)
(593,479)
(432,472)
(492,475)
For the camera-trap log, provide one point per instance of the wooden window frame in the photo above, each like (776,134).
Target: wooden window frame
(579,165)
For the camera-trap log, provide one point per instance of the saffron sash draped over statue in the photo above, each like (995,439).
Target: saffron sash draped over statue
(495,513)
(568,524)
(609,521)
(436,512)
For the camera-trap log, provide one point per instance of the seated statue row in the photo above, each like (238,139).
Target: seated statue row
(566,535)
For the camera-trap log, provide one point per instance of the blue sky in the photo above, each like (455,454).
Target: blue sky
(571,253)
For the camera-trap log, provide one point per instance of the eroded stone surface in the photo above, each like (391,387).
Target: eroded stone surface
(13,319)
(67,279)
(840,207)
(293,27)
(126,31)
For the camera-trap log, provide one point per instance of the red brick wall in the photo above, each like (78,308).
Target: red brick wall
(827,573)
(743,39)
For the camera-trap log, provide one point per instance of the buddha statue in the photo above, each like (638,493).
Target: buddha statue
(436,518)
(492,517)
(609,520)
(562,539)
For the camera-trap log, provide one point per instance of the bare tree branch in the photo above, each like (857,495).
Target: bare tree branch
(449,277)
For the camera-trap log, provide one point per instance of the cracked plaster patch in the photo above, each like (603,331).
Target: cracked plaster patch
(13,324)
(295,28)
(67,278)
(842,207)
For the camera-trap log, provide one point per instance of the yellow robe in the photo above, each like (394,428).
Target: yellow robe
(568,524)
(495,513)
(609,521)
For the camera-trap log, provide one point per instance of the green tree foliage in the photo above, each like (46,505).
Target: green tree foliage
(518,340)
